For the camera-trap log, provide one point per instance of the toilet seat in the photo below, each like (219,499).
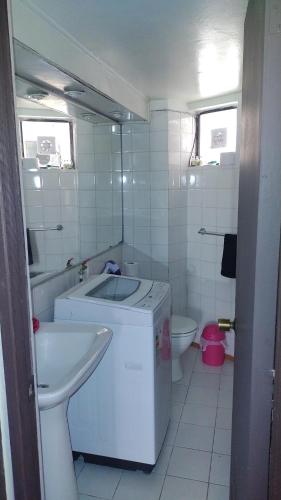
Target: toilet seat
(182,326)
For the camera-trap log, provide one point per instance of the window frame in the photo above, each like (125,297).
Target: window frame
(198,125)
(50,120)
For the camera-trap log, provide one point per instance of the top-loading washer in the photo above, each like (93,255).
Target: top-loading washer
(122,413)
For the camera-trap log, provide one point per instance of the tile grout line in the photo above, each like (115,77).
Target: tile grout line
(112,498)
(173,446)
(209,480)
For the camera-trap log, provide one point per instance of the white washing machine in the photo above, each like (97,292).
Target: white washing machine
(121,414)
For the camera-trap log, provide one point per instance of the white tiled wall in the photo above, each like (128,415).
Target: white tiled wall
(165,204)
(43,295)
(100,187)
(51,199)
(136,195)
(212,203)
(181,136)
(155,158)
(87,201)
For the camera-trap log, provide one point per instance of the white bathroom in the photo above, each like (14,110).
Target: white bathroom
(129,138)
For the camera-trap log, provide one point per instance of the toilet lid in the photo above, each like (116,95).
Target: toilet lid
(181,325)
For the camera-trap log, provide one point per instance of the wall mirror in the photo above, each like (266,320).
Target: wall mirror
(71,162)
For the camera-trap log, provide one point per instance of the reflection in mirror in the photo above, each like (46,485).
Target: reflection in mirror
(72,183)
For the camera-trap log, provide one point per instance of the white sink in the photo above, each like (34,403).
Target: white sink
(66,355)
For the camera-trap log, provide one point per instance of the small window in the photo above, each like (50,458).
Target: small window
(49,141)
(216,134)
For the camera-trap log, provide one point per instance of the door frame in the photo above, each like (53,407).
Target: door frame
(259,220)
(3,494)
(14,298)
(275,445)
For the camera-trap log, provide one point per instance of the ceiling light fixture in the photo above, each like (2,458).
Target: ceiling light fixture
(124,116)
(89,116)
(73,92)
(117,115)
(36,95)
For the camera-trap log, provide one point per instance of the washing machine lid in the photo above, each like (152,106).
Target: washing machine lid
(182,324)
(119,290)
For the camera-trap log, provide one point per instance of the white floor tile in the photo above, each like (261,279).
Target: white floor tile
(186,378)
(199,414)
(139,486)
(171,433)
(228,367)
(208,380)
(190,464)
(185,464)
(202,368)
(195,437)
(162,463)
(226,382)
(224,418)
(98,481)
(217,492)
(176,488)
(179,392)
(78,466)
(202,395)
(176,411)
(87,497)
(220,469)
(225,399)
(189,358)
(222,441)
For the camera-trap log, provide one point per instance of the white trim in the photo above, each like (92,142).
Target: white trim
(214,102)
(168,104)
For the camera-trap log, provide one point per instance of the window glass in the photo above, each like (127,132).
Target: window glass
(48,141)
(217,134)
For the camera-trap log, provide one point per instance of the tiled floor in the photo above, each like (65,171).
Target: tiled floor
(195,459)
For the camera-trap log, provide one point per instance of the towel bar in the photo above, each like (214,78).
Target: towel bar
(204,232)
(59,227)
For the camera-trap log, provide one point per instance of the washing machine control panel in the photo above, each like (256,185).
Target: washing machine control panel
(157,293)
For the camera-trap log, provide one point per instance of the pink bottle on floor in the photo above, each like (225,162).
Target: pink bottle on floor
(213,345)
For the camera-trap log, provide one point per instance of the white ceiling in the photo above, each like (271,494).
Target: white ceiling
(176,49)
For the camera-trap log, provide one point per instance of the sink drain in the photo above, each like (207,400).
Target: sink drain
(43,386)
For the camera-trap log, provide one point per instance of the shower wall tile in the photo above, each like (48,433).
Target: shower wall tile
(72,197)
(157,199)
(212,203)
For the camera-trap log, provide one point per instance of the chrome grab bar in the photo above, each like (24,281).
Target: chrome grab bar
(204,232)
(59,227)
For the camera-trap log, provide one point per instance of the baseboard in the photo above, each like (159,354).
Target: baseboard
(229,357)
(113,462)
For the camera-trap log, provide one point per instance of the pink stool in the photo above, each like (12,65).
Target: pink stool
(213,345)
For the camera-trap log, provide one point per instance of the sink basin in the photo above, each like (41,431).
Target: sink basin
(66,355)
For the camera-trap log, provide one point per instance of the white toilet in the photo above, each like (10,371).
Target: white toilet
(183,331)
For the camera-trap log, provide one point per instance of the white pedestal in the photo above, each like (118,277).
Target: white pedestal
(177,371)
(59,476)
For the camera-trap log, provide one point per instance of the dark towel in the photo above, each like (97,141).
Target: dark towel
(29,248)
(228,264)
